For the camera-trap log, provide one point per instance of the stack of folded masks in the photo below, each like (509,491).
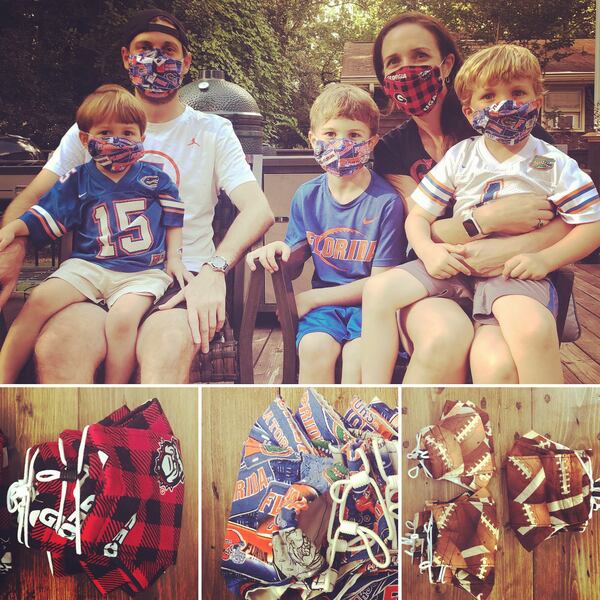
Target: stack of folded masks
(107,500)
(455,542)
(315,507)
(5,520)
(550,489)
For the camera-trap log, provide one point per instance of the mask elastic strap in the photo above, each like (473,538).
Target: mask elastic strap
(19,497)
(420,455)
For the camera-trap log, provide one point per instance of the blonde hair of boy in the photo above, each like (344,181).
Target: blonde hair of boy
(345,101)
(110,102)
(503,62)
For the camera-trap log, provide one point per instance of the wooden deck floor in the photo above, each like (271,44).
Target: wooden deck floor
(581,359)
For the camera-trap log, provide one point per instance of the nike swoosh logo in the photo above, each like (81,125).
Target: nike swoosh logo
(82,195)
(368,221)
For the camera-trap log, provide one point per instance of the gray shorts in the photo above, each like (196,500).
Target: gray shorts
(484,291)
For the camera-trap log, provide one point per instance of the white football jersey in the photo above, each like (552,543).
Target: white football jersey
(469,175)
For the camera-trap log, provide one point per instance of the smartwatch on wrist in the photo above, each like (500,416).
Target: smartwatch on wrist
(470,224)
(217,263)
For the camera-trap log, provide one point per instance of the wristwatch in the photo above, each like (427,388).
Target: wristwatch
(217,263)
(470,224)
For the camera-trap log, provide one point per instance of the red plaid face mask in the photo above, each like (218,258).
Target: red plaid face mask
(414,89)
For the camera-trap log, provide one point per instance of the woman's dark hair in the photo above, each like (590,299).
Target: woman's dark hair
(454,123)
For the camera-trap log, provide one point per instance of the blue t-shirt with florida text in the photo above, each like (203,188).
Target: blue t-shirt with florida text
(347,240)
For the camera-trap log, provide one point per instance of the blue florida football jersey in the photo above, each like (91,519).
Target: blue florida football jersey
(117,225)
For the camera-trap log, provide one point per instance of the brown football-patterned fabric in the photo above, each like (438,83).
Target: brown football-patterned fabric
(455,542)
(458,448)
(550,489)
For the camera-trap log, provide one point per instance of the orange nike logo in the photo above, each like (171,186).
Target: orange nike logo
(368,221)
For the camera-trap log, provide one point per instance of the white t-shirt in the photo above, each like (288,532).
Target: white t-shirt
(201,154)
(469,175)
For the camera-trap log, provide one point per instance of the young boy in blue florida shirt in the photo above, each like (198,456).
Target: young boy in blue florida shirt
(351,221)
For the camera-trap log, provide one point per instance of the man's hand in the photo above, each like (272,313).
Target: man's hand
(526,266)
(205,298)
(442,260)
(306,301)
(267,256)
(11,261)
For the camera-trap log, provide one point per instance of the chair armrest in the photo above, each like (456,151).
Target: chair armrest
(288,318)
(249,323)
(563,282)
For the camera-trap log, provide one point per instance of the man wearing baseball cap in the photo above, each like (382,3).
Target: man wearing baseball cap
(201,154)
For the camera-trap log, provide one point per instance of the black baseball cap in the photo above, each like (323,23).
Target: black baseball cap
(141,22)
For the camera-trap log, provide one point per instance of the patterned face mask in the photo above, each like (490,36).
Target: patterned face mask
(342,156)
(414,89)
(550,489)
(155,72)
(459,448)
(507,122)
(455,542)
(114,153)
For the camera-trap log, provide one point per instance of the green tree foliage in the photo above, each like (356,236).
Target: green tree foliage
(282,51)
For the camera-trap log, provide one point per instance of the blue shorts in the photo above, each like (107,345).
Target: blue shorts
(342,323)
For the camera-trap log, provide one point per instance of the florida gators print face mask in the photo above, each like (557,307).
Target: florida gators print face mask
(115,153)
(155,71)
(343,157)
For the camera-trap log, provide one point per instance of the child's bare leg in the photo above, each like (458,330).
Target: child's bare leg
(318,353)
(530,332)
(351,361)
(45,301)
(122,324)
(383,295)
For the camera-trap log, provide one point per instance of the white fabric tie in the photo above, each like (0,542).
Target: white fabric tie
(419,454)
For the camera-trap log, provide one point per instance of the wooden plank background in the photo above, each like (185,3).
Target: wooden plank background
(33,415)
(564,568)
(227,416)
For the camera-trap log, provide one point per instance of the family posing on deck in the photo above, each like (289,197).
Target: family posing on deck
(443,249)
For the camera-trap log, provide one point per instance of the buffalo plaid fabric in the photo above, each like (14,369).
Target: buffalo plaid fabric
(414,89)
(455,542)
(5,521)
(459,448)
(550,489)
(306,481)
(131,499)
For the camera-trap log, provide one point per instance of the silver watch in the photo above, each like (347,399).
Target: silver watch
(217,263)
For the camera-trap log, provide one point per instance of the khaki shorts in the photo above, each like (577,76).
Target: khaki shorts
(104,285)
(483,290)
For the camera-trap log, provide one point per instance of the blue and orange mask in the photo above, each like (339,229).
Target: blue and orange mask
(343,156)
(507,122)
(114,153)
(155,71)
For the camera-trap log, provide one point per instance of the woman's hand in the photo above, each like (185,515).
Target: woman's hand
(442,260)
(514,214)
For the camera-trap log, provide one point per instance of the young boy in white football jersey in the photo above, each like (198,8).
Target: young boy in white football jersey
(501,90)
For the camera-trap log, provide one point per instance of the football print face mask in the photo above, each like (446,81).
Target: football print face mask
(155,71)
(550,489)
(343,157)
(414,90)
(107,500)
(456,542)
(114,153)
(315,506)
(459,448)
(507,122)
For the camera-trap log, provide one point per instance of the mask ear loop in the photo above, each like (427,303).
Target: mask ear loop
(420,455)
(19,497)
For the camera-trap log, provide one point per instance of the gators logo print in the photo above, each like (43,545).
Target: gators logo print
(149,181)
(168,465)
